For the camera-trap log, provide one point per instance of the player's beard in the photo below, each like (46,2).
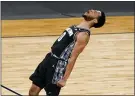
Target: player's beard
(86,17)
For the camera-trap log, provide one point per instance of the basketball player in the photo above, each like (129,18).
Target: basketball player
(53,72)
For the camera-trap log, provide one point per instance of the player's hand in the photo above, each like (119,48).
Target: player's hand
(61,83)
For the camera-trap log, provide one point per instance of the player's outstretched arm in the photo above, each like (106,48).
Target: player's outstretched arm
(81,41)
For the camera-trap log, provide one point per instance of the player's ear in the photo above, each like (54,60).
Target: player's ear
(95,21)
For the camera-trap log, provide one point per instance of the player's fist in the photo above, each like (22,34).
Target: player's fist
(61,83)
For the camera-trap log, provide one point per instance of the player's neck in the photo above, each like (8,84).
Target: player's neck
(85,24)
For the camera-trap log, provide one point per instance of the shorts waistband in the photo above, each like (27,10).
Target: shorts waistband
(52,54)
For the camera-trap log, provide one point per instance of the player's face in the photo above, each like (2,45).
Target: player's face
(92,14)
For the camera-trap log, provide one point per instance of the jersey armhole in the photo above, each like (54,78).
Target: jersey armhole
(75,38)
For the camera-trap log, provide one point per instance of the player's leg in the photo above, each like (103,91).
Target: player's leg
(38,78)
(52,90)
(38,82)
(34,90)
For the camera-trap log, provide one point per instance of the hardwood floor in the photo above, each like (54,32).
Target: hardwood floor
(105,67)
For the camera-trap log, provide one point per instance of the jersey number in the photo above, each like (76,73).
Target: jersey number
(59,39)
(70,32)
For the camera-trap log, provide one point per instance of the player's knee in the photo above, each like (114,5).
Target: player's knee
(34,91)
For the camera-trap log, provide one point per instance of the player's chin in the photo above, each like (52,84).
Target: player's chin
(84,15)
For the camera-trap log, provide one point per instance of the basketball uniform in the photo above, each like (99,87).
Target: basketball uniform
(53,66)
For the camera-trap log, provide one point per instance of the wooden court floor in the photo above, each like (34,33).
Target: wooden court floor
(106,66)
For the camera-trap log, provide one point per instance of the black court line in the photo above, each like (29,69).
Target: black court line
(11,90)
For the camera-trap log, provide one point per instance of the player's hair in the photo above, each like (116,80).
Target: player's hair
(101,20)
